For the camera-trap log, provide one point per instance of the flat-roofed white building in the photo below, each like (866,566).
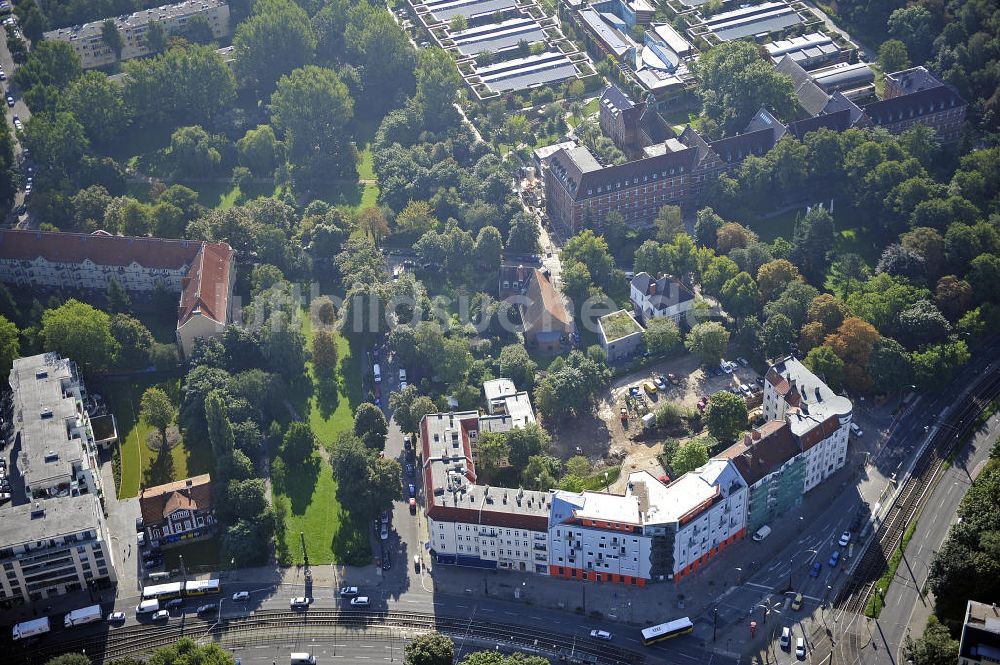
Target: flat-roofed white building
(88,41)
(819,418)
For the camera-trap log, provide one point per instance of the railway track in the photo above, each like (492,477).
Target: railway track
(855,596)
(267,626)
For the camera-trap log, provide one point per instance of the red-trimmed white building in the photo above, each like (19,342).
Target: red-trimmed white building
(202,273)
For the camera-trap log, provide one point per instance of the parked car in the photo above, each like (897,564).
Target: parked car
(301,602)
(649,388)
(208,609)
(241,596)
(786,638)
(411,489)
(172,603)
(116,617)
(816,567)
(384,533)
(743,361)
(845,539)
(672,378)
(633,391)
(834,558)
(602,635)
(660,383)
(348,592)
(161,615)
(413,506)
(140,538)
(797,602)
(360,601)
(800,648)
(10,101)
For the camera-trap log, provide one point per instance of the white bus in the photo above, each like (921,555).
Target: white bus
(666,631)
(162,591)
(26,629)
(83,616)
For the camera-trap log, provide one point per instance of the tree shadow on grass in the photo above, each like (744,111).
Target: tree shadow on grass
(161,471)
(350,544)
(300,484)
(327,397)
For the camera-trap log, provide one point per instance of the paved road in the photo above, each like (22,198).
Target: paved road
(20,109)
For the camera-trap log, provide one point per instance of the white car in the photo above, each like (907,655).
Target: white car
(402,375)
(845,539)
(360,601)
(298,603)
(348,591)
(162,615)
(116,617)
(384,533)
(140,538)
(601,635)
(800,648)
(241,595)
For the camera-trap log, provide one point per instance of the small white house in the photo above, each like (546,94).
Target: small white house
(659,298)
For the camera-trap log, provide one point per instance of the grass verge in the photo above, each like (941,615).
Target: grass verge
(875,603)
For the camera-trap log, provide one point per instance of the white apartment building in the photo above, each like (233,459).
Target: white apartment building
(51,547)
(89,44)
(654,532)
(662,297)
(819,418)
(52,535)
(471,525)
(503,398)
(58,454)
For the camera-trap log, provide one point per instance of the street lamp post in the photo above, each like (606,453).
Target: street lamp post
(715,622)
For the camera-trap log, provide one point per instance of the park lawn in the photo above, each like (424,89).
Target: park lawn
(312,508)
(142,466)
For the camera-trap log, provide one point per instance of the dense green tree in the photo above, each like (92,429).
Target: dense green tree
(111,36)
(198,30)
(195,152)
(774,276)
(540,473)
(935,366)
(984,276)
(793,302)
(186,85)
(706,227)
(80,332)
(52,63)
(370,425)
(298,444)
(524,233)
(515,364)
(827,365)
(10,345)
(689,457)
(953,296)
(914,26)
(385,477)
(736,82)
(438,83)
(853,342)
(324,355)
(662,336)
(133,338)
(312,106)
(708,341)
(98,105)
(220,429)
(668,223)
(31,19)
(725,417)
(156,37)
(740,296)
(200,381)
(890,364)
(260,151)
(934,647)
(69,659)
(776,334)
(489,247)
(922,323)
(58,143)
(899,261)
(350,460)
(430,649)
(276,39)
(157,410)
(811,244)
(592,251)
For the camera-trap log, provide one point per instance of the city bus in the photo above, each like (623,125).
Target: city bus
(162,591)
(201,587)
(666,631)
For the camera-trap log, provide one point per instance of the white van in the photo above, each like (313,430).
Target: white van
(302,659)
(856,431)
(800,648)
(762,533)
(148,607)
(378,373)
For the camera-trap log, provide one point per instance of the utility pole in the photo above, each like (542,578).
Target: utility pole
(715,621)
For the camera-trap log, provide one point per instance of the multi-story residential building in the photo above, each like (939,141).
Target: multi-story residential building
(179,512)
(980,644)
(53,538)
(818,418)
(51,547)
(58,453)
(504,399)
(472,525)
(88,40)
(770,461)
(653,532)
(663,297)
(202,273)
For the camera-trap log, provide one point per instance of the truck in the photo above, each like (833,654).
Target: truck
(649,421)
(33,628)
(83,616)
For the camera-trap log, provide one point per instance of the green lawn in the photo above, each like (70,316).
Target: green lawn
(141,466)
(310,496)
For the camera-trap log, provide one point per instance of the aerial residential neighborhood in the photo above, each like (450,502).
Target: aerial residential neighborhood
(499,332)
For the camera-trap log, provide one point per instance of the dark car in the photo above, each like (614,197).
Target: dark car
(386,562)
(816,567)
(153,563)
(412,490)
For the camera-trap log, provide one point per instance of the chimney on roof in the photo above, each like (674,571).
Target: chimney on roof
(755,434)
(188,483)
(652,287)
